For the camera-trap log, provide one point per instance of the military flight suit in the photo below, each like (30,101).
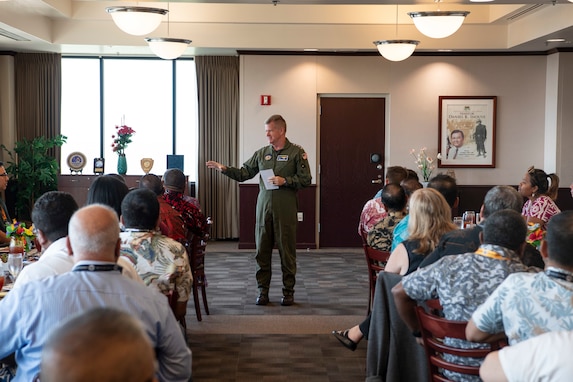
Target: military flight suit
(276,209)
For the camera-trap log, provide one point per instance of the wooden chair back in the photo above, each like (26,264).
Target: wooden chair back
(434,329)
(376,261)
(196,252)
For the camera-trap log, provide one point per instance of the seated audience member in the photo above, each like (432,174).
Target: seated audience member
(468,240)
(540,190)
(174,184)
(394,201)
(526,305)
(171,221)
(430,218)
(31,311)
(401,229)
(463,282)
(411,176)
(4,215)
(51,215)
(103,345)
(159,260)
(546,357)
(373,211)
(108,190)
(447,186)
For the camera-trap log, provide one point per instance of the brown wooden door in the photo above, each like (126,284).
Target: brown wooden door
(351,130)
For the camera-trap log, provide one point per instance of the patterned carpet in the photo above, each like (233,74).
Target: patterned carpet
(240,341)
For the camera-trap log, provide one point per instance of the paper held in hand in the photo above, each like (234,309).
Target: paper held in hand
(265,175)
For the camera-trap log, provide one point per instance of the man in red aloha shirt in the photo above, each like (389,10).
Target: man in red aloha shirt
(174,184)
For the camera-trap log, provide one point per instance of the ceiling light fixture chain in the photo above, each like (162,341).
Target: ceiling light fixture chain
(168,48)
(396,50)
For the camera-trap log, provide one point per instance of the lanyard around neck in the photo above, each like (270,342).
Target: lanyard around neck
(491,254)
(97,268)
(559,274)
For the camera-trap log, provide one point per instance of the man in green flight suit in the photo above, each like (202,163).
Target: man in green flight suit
(277,204)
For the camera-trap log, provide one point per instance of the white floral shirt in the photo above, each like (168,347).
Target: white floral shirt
(526,305)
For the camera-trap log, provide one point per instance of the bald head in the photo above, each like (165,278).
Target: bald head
(103,345)
(94,234)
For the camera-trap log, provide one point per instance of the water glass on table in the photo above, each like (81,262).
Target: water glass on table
(459,222)
(469,219)
(15,264)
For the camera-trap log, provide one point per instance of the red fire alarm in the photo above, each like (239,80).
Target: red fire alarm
(265,100)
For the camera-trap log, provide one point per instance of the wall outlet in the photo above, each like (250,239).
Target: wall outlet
(299,216)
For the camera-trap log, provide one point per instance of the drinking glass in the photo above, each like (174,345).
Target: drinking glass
(459,221)
(15,264)
(469,219)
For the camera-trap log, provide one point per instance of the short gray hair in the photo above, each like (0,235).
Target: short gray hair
(501,198)
(95,234)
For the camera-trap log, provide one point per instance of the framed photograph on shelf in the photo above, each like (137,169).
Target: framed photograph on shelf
(467,131)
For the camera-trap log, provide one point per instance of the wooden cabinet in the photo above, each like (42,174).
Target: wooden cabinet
(79,185)
(306,232)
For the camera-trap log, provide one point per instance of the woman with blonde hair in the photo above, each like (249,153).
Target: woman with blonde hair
(430,218)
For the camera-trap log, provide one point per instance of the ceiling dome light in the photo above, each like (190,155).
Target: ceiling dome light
(438,24)
(167,48)
(396,50)
(137,21)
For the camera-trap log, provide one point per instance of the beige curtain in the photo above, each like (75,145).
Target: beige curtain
(38,83)
(218,89)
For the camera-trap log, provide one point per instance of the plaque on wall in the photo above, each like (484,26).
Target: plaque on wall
(77,162)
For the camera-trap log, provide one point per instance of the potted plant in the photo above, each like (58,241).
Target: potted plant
(33,171)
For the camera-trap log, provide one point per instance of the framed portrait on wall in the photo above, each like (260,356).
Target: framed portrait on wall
(467,131)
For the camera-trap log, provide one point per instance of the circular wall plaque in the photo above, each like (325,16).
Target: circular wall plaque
(76,161)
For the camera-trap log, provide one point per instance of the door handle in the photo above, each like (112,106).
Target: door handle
(376,181)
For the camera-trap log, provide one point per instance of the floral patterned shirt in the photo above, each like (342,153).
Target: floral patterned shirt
(526,305)
(380,236)
(160,261)
(462,283)
(543,208)
(191,214)
(372,213)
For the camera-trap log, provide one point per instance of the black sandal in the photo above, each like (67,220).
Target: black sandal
(342,336)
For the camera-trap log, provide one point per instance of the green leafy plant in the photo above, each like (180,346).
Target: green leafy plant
(33,170)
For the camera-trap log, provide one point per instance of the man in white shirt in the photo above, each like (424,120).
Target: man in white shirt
(546,357)
(51,215)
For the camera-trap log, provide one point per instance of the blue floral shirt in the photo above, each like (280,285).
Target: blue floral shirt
(526,305)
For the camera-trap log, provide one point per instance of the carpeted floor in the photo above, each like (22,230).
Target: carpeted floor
(240,341)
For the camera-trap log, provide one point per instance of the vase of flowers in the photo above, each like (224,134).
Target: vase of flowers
(120,142)
(20,237)
(424,163)
(535,234)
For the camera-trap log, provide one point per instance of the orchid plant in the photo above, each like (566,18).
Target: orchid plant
(424,163)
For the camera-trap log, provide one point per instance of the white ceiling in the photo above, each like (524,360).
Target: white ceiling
(227,26)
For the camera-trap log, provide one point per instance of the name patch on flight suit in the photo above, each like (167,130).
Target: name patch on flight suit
(282,158)
(268,157)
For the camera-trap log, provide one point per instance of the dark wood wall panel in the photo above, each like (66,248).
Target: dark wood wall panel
(306,233)
(471,198)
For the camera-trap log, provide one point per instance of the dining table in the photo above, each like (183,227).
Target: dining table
(8,281)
